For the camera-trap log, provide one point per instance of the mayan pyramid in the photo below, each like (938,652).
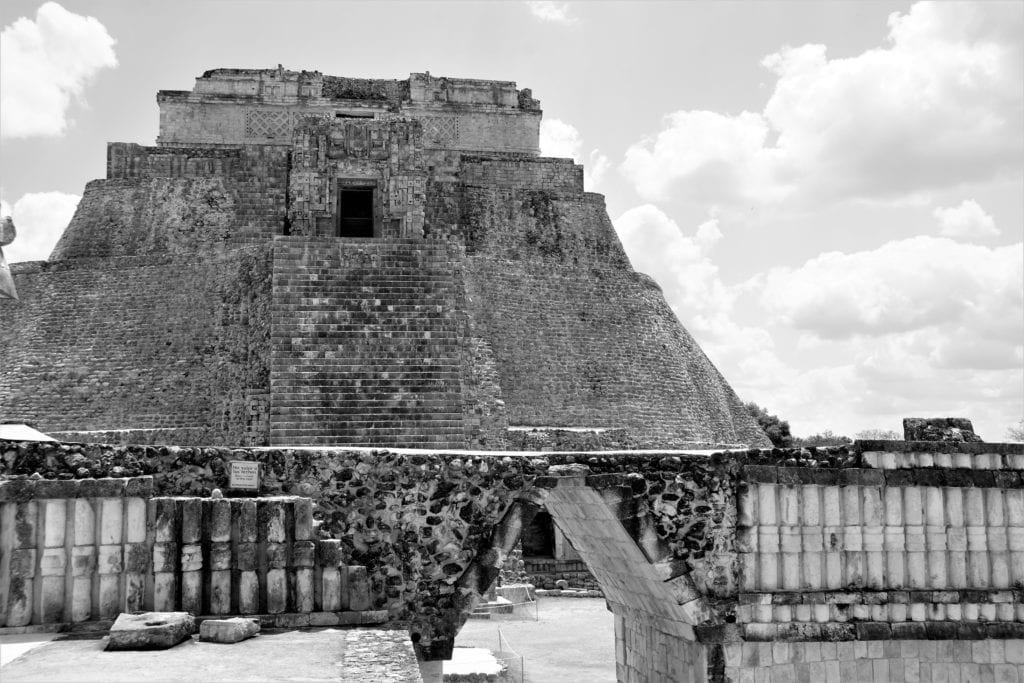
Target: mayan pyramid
(305,259)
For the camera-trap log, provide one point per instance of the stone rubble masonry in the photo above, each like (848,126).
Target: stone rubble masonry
(939,429)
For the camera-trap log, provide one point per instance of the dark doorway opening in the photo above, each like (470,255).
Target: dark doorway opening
(355,212)
(539,536)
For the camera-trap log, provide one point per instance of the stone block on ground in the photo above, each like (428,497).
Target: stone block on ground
(231,630)
(150,630)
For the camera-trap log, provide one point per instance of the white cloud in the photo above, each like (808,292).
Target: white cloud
(906,285)
(966,220)
(40,219)
(553,12)
(941,105)
(924,326)
(46,63)
(560,139)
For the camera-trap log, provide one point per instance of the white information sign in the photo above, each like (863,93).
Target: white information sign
(245,475)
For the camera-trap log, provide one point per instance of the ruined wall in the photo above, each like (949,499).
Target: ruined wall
(156,342)
(74,551)
(230,107)
(668,537)
(178,201)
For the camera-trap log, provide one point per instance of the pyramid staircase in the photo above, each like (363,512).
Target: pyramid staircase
(366,346)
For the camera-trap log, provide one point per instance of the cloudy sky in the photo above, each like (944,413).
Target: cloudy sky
(830,194)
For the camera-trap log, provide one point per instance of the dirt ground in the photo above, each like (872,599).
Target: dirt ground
(573,640)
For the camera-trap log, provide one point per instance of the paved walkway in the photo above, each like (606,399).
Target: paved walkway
(351,655)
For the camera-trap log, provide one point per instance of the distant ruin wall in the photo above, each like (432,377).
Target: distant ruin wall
(154,342)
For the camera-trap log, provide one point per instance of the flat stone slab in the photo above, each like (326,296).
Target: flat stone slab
(231,630)
(150,630)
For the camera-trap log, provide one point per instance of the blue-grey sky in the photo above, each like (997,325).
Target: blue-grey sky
(831,194)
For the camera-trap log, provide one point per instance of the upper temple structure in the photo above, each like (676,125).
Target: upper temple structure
(314,260)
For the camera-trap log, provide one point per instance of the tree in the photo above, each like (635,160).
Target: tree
(776,429)
(826,438)
(879,435)
(1015,432)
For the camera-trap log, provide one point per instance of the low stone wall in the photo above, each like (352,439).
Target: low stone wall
(84,550)
(876,661)
(702,556)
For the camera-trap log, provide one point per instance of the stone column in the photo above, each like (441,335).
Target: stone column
(913,516)
(358,589)
(789,536)
(165,524)
(895,539)
(935,537)
(978,574)
(956,538)
(136,552)
(874,537)
(811,538)
(746,537)
(218,515)
(20,527)
(192,555)
(53,560)
(83,558)
(998,549)
(853,536)
(109,528)
(1015,537)
(768,537)
(328,577)
(245,531)
(832,536)
(272,536)
(303,555)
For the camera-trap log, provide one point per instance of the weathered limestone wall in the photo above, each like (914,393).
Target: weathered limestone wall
(141,343)
(248,106)
(178,201)
(876,661)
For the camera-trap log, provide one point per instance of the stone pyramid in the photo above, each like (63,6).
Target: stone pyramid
(305,259)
